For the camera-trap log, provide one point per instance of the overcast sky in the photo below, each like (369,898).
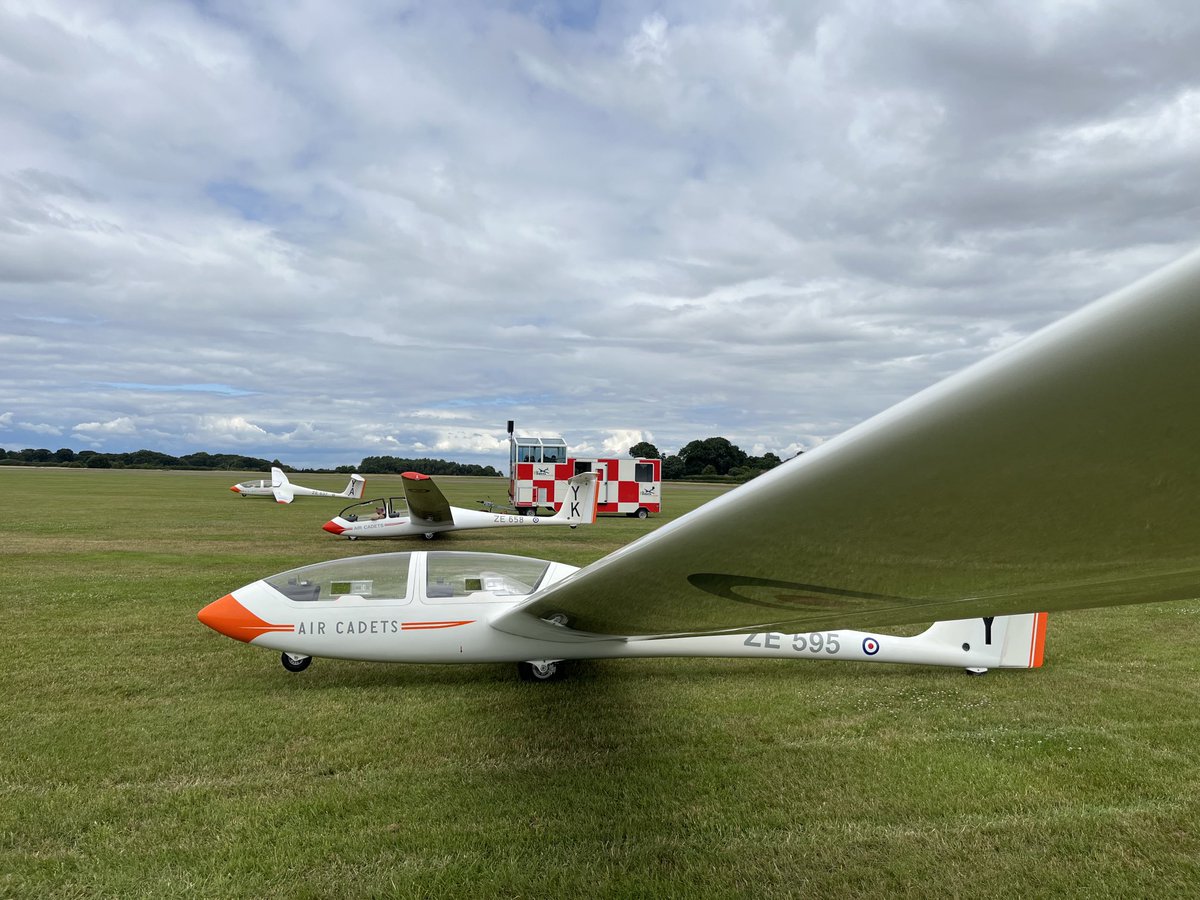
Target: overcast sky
(320,231)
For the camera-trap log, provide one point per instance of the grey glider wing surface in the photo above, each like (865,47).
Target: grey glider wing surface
(425,500)
(1062,472)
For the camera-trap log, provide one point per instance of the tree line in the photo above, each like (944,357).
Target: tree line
(138,459)
(152,459)
(714,457)
(394,465)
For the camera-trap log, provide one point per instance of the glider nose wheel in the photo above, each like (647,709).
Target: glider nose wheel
(295,663)
(541,670)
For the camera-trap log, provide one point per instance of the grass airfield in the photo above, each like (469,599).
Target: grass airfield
(143,755)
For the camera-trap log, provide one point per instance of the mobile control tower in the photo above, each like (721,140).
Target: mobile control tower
(540,466)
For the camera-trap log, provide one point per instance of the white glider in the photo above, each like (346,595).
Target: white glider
(1060,473)
(426,511)
(285,492)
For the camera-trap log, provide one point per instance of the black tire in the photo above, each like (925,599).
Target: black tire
(552,671)
(642,512)
(292,666)
(429,535)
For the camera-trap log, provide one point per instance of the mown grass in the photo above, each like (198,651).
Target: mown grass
(143,755)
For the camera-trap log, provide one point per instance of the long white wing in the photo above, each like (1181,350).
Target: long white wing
(1063,472)
(281,487)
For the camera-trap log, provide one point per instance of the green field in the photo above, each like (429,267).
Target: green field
(143,755)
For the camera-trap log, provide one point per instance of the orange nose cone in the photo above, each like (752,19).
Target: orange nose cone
(233,620)
(235,489)
(333,527)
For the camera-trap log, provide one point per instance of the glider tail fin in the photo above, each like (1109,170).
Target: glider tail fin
(354,490)
(580,506)
(1002,642)
(280,486)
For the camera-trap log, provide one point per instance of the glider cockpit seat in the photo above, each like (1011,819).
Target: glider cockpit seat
(302,591)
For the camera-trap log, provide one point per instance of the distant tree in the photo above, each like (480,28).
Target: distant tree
(672,468)
(99,461)
(64,455)
(148,459)
(717,452)
(644,450)
(395,465)
(763,463)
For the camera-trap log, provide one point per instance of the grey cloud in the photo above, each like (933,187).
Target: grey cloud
(768,221)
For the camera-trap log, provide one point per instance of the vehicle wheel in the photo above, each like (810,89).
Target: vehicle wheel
(642,513)
(294,663)
(540,671)
(429,535)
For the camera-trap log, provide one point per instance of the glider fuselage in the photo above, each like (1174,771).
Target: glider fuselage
(439,608)
(386,524)
(263,488)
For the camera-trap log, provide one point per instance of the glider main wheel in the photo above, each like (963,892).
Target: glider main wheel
(294,663)
(642,512)
(540,671)
(429,535)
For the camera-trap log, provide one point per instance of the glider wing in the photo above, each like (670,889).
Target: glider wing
(1060,473)
(426,502)
(281,487)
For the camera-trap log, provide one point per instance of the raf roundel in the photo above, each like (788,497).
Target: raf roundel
(870,646)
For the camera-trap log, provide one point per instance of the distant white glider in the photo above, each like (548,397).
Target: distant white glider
(426,511)
(285,492)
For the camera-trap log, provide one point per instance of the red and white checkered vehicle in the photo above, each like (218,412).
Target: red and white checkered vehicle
(539,469)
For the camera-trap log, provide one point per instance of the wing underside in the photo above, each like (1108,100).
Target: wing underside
(426,503)
(1061,473)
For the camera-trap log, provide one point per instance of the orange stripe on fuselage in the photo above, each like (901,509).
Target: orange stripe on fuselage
(416,626)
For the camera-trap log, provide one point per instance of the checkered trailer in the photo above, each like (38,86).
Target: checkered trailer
(540,466)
